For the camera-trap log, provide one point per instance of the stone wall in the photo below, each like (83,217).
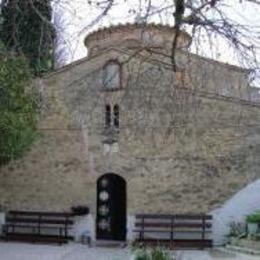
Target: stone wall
(180,148)
(52,175)
(136,36)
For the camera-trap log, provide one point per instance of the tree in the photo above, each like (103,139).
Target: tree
(26,29)
(209,22)
(17,107)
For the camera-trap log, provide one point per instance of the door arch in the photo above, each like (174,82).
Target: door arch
(111,207)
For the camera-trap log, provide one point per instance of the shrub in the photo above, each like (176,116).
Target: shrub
(152,254)
(17,107)
(253,218)
(141,254)
(160,254)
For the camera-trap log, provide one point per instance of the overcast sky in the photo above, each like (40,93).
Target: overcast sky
(76,21)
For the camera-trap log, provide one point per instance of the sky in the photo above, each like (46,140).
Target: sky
(79,15)
(75,19)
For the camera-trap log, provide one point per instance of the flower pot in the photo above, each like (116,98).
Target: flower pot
(252,228)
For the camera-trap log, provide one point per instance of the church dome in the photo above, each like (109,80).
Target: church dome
(132,36)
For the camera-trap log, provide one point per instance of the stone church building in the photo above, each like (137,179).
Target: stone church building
(123,133)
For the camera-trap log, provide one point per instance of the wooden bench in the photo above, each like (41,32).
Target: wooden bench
(37,226)
(174,231)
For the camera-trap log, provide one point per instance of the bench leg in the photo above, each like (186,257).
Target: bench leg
(60,236)
(5,232)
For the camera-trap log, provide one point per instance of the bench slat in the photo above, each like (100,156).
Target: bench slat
(39,238)
(37,220)
(151,230)
(175,225)
(179,243)
(148,216)
(177,216)
(167,231)
(41,213)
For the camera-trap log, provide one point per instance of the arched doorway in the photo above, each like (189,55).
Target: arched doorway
(111,207)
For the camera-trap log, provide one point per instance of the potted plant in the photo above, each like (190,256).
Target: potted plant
(252,221)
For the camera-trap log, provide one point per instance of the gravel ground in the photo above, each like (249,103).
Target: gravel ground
(20,251)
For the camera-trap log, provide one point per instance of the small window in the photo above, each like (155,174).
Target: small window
(108,115)
(116,116)
(111,75)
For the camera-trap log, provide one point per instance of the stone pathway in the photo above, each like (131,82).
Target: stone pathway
(20,251)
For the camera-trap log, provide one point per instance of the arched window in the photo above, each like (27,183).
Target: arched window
(108,116)
(116,116)
(112,75)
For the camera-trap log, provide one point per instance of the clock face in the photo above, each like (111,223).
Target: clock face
(103,196)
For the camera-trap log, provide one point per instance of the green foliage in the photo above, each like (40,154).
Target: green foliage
(17,107)
(141,254)
(160,254)
(253,218)
(26,29)
(157,253)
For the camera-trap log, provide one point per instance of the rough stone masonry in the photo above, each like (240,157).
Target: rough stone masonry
(186,141)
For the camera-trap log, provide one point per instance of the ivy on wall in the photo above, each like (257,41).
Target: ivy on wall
(17,107)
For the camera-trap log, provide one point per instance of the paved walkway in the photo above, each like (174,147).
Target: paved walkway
(212,255)
(20,251)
